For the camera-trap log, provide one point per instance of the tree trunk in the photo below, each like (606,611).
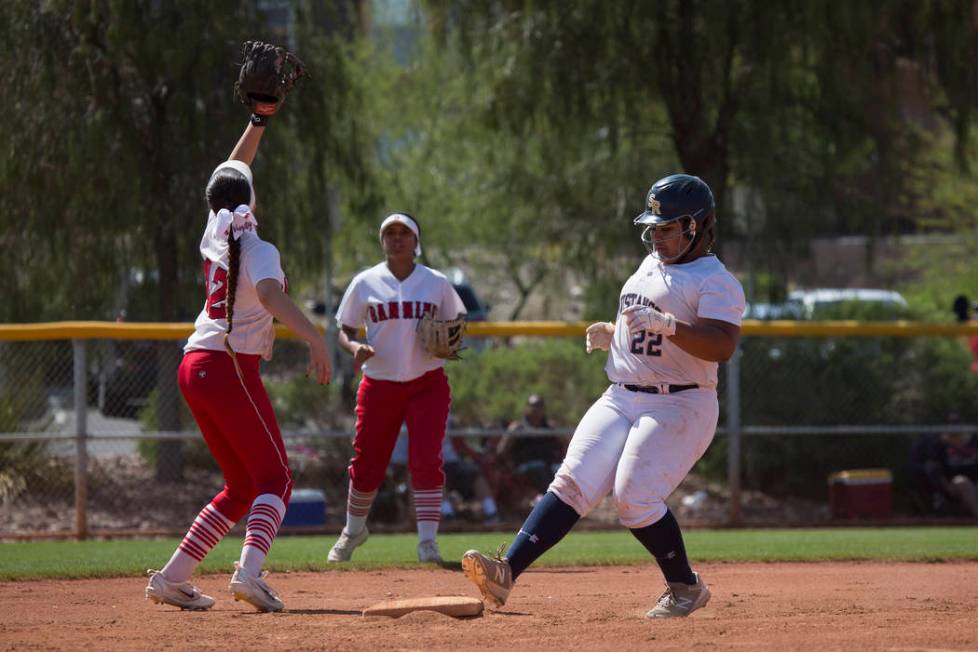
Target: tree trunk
(169,462)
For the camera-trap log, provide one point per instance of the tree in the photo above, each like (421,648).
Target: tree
(118,116)
(518,206)
(802,105)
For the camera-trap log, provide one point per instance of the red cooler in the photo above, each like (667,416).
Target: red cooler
(861,493)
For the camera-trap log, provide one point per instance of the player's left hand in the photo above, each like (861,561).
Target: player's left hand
(644,318)
(319,366)
(267,108)
(266,76)
(598,336)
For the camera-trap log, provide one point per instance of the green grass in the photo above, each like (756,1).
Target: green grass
(75,559)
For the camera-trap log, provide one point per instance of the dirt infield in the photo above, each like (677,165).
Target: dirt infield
(824,606)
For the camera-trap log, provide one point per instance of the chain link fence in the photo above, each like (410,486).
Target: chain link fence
(94,436)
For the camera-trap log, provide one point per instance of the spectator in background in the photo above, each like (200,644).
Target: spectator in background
(962,309)
(945,468)
(534,459)
(463,475)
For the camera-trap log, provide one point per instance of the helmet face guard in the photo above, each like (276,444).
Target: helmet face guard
(651,242)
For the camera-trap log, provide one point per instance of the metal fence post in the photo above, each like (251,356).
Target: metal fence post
(81,435)
(733,436)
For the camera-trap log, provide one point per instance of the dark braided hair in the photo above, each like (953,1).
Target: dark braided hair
(228,189)
(234,264)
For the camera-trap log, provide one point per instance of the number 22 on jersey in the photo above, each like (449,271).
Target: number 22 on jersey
(647,343)
(216,279)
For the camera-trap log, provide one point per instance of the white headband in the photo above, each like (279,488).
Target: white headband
(243,168)
(406,220)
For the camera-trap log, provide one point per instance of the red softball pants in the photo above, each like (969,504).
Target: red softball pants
(239,426)
(382,406)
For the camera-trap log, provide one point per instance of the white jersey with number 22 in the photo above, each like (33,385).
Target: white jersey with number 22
(701,289)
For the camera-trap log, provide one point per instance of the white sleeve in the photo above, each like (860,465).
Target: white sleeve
(722,297)
(350,312)
(264,262)
(451,304)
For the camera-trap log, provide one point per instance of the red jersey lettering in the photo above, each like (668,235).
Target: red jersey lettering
(216,280)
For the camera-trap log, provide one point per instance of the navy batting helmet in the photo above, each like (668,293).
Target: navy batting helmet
(680,197)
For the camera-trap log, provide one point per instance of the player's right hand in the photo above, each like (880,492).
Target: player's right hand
(598,336)
(319,364)
(364,353)
(644,318)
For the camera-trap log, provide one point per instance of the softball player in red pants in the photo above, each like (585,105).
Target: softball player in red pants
(402,383)
(219,378)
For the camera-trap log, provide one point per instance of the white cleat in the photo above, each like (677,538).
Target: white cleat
(253,590)
(492,576)
(680,600)
(178,594)
(343,549)
(428,551)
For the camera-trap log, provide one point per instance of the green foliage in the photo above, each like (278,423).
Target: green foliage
(515,207)
(120,118)
(943,262)
(25,466)
(523,134)
(300,402)
(193,454)
(815,113)
(121,558)
(831,381)
(490,387)
(28,467)
(22,391)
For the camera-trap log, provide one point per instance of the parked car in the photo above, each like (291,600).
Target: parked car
(820,303)
(769,311)
(816,301)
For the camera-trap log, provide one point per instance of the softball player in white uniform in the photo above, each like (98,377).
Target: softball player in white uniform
(402,383)
(220,379)
(679,315)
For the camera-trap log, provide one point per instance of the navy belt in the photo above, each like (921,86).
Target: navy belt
(657,389)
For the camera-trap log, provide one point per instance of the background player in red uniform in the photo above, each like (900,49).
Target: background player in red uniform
(402,382)
(219,378)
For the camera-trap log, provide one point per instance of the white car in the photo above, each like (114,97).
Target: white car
(806,304)
(811,302)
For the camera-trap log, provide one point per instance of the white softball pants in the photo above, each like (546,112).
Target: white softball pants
(639,445)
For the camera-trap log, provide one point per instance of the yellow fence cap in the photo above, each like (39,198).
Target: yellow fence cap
(862,476)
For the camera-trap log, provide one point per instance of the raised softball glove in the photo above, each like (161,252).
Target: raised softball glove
(268,72)
(442,338)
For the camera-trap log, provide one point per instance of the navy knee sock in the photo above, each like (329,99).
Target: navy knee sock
(547,524)
(664,540)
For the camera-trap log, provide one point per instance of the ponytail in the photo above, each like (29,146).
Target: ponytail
(228,188)
(234,265)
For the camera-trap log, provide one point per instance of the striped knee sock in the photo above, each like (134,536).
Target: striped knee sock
(357,507)
(263,522)
(208,528)
(427,509)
